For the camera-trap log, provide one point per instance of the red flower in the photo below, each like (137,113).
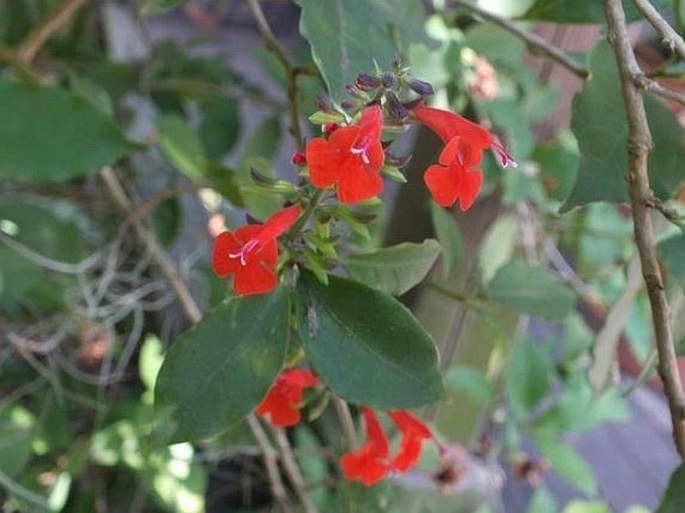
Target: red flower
(251,253)
(282,401)
(414,432)
(350,158)
(370,463)
(457,178)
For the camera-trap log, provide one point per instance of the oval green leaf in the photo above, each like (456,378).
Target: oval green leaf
(367,347)
(395,269)
(50,135)
(350,37)
(531,289)
(220,369)
(673,500)
(598,121)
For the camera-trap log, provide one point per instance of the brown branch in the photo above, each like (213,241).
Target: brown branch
(293,471)
(271,461)
(346,422)
(642,81)
(670,38)
(535,43)
(291,70)
(147,238)
(37,37)
(639,146)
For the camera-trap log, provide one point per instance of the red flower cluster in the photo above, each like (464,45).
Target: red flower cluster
(251,253)
(456,177)
(282,402)
(372,462)
(350,158)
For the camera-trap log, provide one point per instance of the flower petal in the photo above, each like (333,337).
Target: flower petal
(449,125)
(323,162)
(226,244)
(357,184)
(442,185)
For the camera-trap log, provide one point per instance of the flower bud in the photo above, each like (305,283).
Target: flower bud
(367,82)
(420,87)
(397,110)
(299,158)
(324,103)
(397,62)
(395,160)
(353,90)
(389,80)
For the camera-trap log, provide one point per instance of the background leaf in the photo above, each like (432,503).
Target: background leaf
(220,369)
(395,269)
(348,37)
(50,135)
(367,347)
(568,463)
(531,289)
(581,11)
(181,145)
(673,500)
(528,376)
(599,122)
(449,236)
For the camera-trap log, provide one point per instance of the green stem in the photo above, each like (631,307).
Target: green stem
(295,229)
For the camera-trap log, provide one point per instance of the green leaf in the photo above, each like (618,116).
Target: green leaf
(531,289)
(587,507)
(671,252)
(367,347)
(558,168)
(581,11)
(150,360)
(220,369)
(350,37)
(542,502)
(599,123)
(16,433)
(568,463)
(181,145)
(449,236)
(673,500)
(528,376)
(50,135)
(220,126)
(395,269)
(265,141)
(471,382)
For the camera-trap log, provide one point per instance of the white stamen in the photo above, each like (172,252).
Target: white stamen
(244,251)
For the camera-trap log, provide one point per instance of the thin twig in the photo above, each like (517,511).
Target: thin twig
(535,43)
(271,461)
(291,70)
(639,146)
(293,470)
(609,336)
(190,308)
(346,422)
(670,38)
(38,36)
(646,83)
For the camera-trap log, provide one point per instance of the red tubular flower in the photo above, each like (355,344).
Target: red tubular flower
(457,178)
(370,463)
(282,401)
(414,432)
(350,158)
(251,253)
